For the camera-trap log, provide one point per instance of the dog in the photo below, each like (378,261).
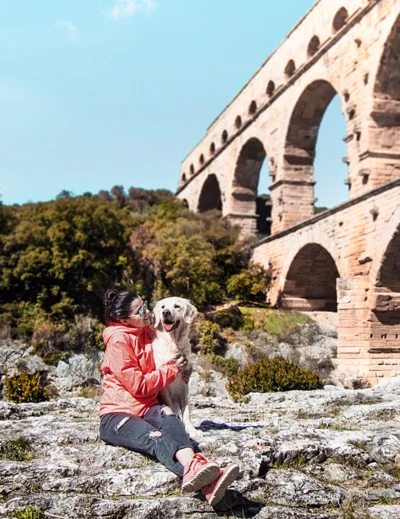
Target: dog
(172,319)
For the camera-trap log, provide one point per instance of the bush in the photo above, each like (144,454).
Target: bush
(271,375)
(250,284)
(25,387)
(16,450)
(210,338)
(29,513)
(228,318)
(226,365)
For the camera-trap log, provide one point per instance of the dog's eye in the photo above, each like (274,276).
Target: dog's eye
(176,306)
(163,306)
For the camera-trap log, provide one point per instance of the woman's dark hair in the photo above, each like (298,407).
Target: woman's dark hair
(117,305)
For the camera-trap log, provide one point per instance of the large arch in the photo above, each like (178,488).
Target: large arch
(310,282)
(245,185)
(384,135)
(384,298)
(293,195)
(210,195)
(384,318)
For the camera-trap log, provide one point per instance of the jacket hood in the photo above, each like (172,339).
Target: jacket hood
(117,328)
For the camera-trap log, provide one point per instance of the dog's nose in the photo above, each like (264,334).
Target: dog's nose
(166,312)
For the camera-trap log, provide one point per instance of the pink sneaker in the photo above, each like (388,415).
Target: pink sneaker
(198,473)
(215,491)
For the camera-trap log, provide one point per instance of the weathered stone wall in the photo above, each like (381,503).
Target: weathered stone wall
(281,109)
(346,258)
(359,237)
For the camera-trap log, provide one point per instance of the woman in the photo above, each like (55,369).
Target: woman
(130,413)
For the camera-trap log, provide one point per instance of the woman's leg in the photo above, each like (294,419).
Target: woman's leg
(197,471)
(138,435)
(175,437)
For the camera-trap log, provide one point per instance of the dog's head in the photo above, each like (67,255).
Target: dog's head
(172,313)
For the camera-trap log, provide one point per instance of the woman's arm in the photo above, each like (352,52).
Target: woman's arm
(123,363)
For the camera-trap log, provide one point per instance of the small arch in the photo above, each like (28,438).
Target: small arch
(238,122)
(290,69)
(313,46)
(212,148)
(311,280)
(224,137)
(183,177)
(185,203)
(191,169)
(201,159)
(210,196)
(340,19)
(253,108)
(270,89)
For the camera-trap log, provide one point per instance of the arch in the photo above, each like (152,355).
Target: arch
(384,294)
(183,177)
(245,185)
(210,196)
(270,89)
(290,69)
(185,203)
(253,107)
(301,137)
(340,19)
(191,169)
(384,133)
(387,82)
(201,159)
(310,282)
(382,246)
(313,46)
(212,148)
(238,122)
(224,137)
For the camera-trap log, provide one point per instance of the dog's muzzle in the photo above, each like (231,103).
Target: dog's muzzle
(170,326)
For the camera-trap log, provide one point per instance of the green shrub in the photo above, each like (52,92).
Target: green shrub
(25,387)
(248,325)
(29,513)
(226,365)
(250,284)
(227,319)
(209,337)
(16,450)
(271,375)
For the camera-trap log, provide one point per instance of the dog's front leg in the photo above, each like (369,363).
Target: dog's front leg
(194,434)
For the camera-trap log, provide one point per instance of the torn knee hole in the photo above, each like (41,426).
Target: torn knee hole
(155,434)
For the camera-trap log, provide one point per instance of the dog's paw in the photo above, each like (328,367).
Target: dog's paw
(194,434)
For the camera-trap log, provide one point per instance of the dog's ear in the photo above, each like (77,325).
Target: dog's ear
(157,315)
(190,312)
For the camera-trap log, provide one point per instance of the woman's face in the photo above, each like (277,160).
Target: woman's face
(140,314)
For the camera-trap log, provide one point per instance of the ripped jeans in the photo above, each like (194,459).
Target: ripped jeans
(140,435)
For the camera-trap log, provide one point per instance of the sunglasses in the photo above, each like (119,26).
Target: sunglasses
(142,310)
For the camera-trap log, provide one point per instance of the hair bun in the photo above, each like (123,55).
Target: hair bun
(110,295)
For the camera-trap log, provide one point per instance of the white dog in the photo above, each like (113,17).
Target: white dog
(173,316)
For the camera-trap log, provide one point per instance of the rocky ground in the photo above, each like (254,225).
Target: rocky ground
(332,453)
(320,455)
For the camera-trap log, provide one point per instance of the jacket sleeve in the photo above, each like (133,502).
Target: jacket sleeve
(123,363)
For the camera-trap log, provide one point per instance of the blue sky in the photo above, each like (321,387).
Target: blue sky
(99,93)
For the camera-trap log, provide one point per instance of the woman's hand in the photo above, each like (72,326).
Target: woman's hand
(181,362)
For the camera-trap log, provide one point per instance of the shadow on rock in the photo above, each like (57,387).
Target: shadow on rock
(235,502)
(209,425)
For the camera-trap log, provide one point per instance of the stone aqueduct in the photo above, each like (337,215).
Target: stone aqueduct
(346,258)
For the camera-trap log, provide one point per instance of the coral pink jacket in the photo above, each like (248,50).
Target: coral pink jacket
(131,381)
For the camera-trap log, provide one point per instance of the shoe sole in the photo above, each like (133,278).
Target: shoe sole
(228,478)
(202,478)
